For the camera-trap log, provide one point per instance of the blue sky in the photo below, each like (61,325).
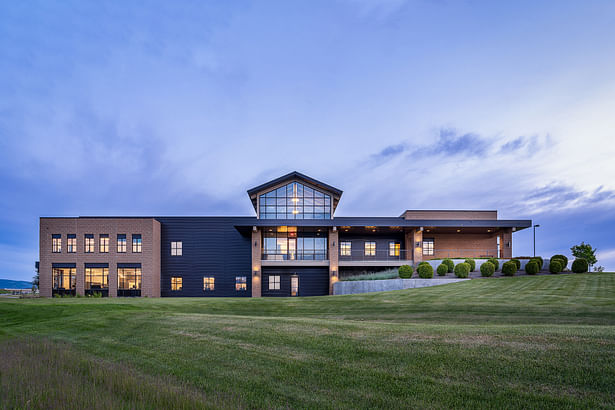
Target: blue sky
(176,108)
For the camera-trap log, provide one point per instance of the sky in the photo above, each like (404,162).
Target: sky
(177,108)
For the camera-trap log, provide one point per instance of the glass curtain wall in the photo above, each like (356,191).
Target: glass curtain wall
(64,280)
(295,201)
(96,280)
(294,243)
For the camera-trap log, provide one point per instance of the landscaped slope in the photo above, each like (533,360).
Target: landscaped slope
(516,343)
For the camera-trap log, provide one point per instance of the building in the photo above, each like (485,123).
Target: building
(294,246)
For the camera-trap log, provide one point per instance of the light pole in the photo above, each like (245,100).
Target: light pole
(535,226)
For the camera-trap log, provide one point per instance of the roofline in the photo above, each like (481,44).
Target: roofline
(298,175)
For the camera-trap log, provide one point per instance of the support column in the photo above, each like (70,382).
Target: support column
(333,258)
(418,250)
(409,244)
(80,280)
(506,243)
(113,280)
(256,245)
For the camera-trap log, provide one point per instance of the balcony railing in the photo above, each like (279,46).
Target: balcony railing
(300,255)
(462,253)
(377,255)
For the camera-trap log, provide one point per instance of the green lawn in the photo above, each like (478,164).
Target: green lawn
(524,342)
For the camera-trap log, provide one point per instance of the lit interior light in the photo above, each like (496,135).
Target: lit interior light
(295,211)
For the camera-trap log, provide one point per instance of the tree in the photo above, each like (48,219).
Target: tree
(35,280)
(585,250)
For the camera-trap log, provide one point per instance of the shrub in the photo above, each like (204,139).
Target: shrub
(462,270)
(563,258)
(405,271)
(472,264)
(516,262)
(442,269)
(580,265)
(539,262)
(487,269)
(449,262)
(495,263)
(422,263)
(425,271)
(555,266)
(531,268)
(509,268)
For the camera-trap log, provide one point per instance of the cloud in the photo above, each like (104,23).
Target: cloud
(560,197)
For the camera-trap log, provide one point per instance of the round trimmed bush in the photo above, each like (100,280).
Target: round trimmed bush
(509,268)
(494,262)
(555,266)
(422,263)
(517,262)
(472,264)
(580,265)
(449,262)
(442,269)
(487,269)
(563,258)
(462,270)
(561,261)
(425,271)
(531,268)
(539,261)
(405,271)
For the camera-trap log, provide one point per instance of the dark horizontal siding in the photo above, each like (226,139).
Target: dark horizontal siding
(211,246)
(313,281)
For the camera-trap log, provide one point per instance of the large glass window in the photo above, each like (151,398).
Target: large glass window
(241,283)
(103,243)
(71,243)
(56,243)
(176,248)
(121,243)
(176,283)
(209,283)
(129,278)
(428,246)
(274,282)
(346,248)
(294,243)
(89,243)
(136,243)
(295,201)
(96,278)
(370,248)
(64,278)
(394,248)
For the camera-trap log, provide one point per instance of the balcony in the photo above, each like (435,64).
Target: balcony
(463,253)
(376,258)
(308,257)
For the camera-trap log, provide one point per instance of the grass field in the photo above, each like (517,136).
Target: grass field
(524,342)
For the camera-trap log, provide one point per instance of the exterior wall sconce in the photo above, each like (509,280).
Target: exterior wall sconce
(508,244)
(255,244)
(421,229)
(333,244)
(417,245)
(334,272)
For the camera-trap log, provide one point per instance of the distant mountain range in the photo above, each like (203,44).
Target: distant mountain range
(15,284)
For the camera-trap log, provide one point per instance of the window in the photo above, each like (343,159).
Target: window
(56,243)
(121,243)
(370,248)
(294,201)
(103,243)
(209,283)
(96,278)
(89,243)
(274,282)
(136,243)
(176,283)
(129,278)
(64,278)
(294,285)
(71,243)
(240,283)
(294,243)
(394,248)
(345,248)
(428,246)
(176,248)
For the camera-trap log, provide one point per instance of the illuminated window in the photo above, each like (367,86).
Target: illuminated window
(294,201)
(370,248)
(294,286)
(176,283)
(103,243)
(64,278)
(345,248)
(208,283)
(56,243)
(294,243)
(89,243)
(129,278)
(121,243)
(96,278)
(136,243)
(71,243)
(176,248)
(428,246)
(394,248)
(240,283)
(274,282)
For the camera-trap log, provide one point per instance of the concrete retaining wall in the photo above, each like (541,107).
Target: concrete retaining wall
(366,286)
(479,261)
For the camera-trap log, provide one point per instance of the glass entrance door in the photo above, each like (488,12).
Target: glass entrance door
(294,286)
